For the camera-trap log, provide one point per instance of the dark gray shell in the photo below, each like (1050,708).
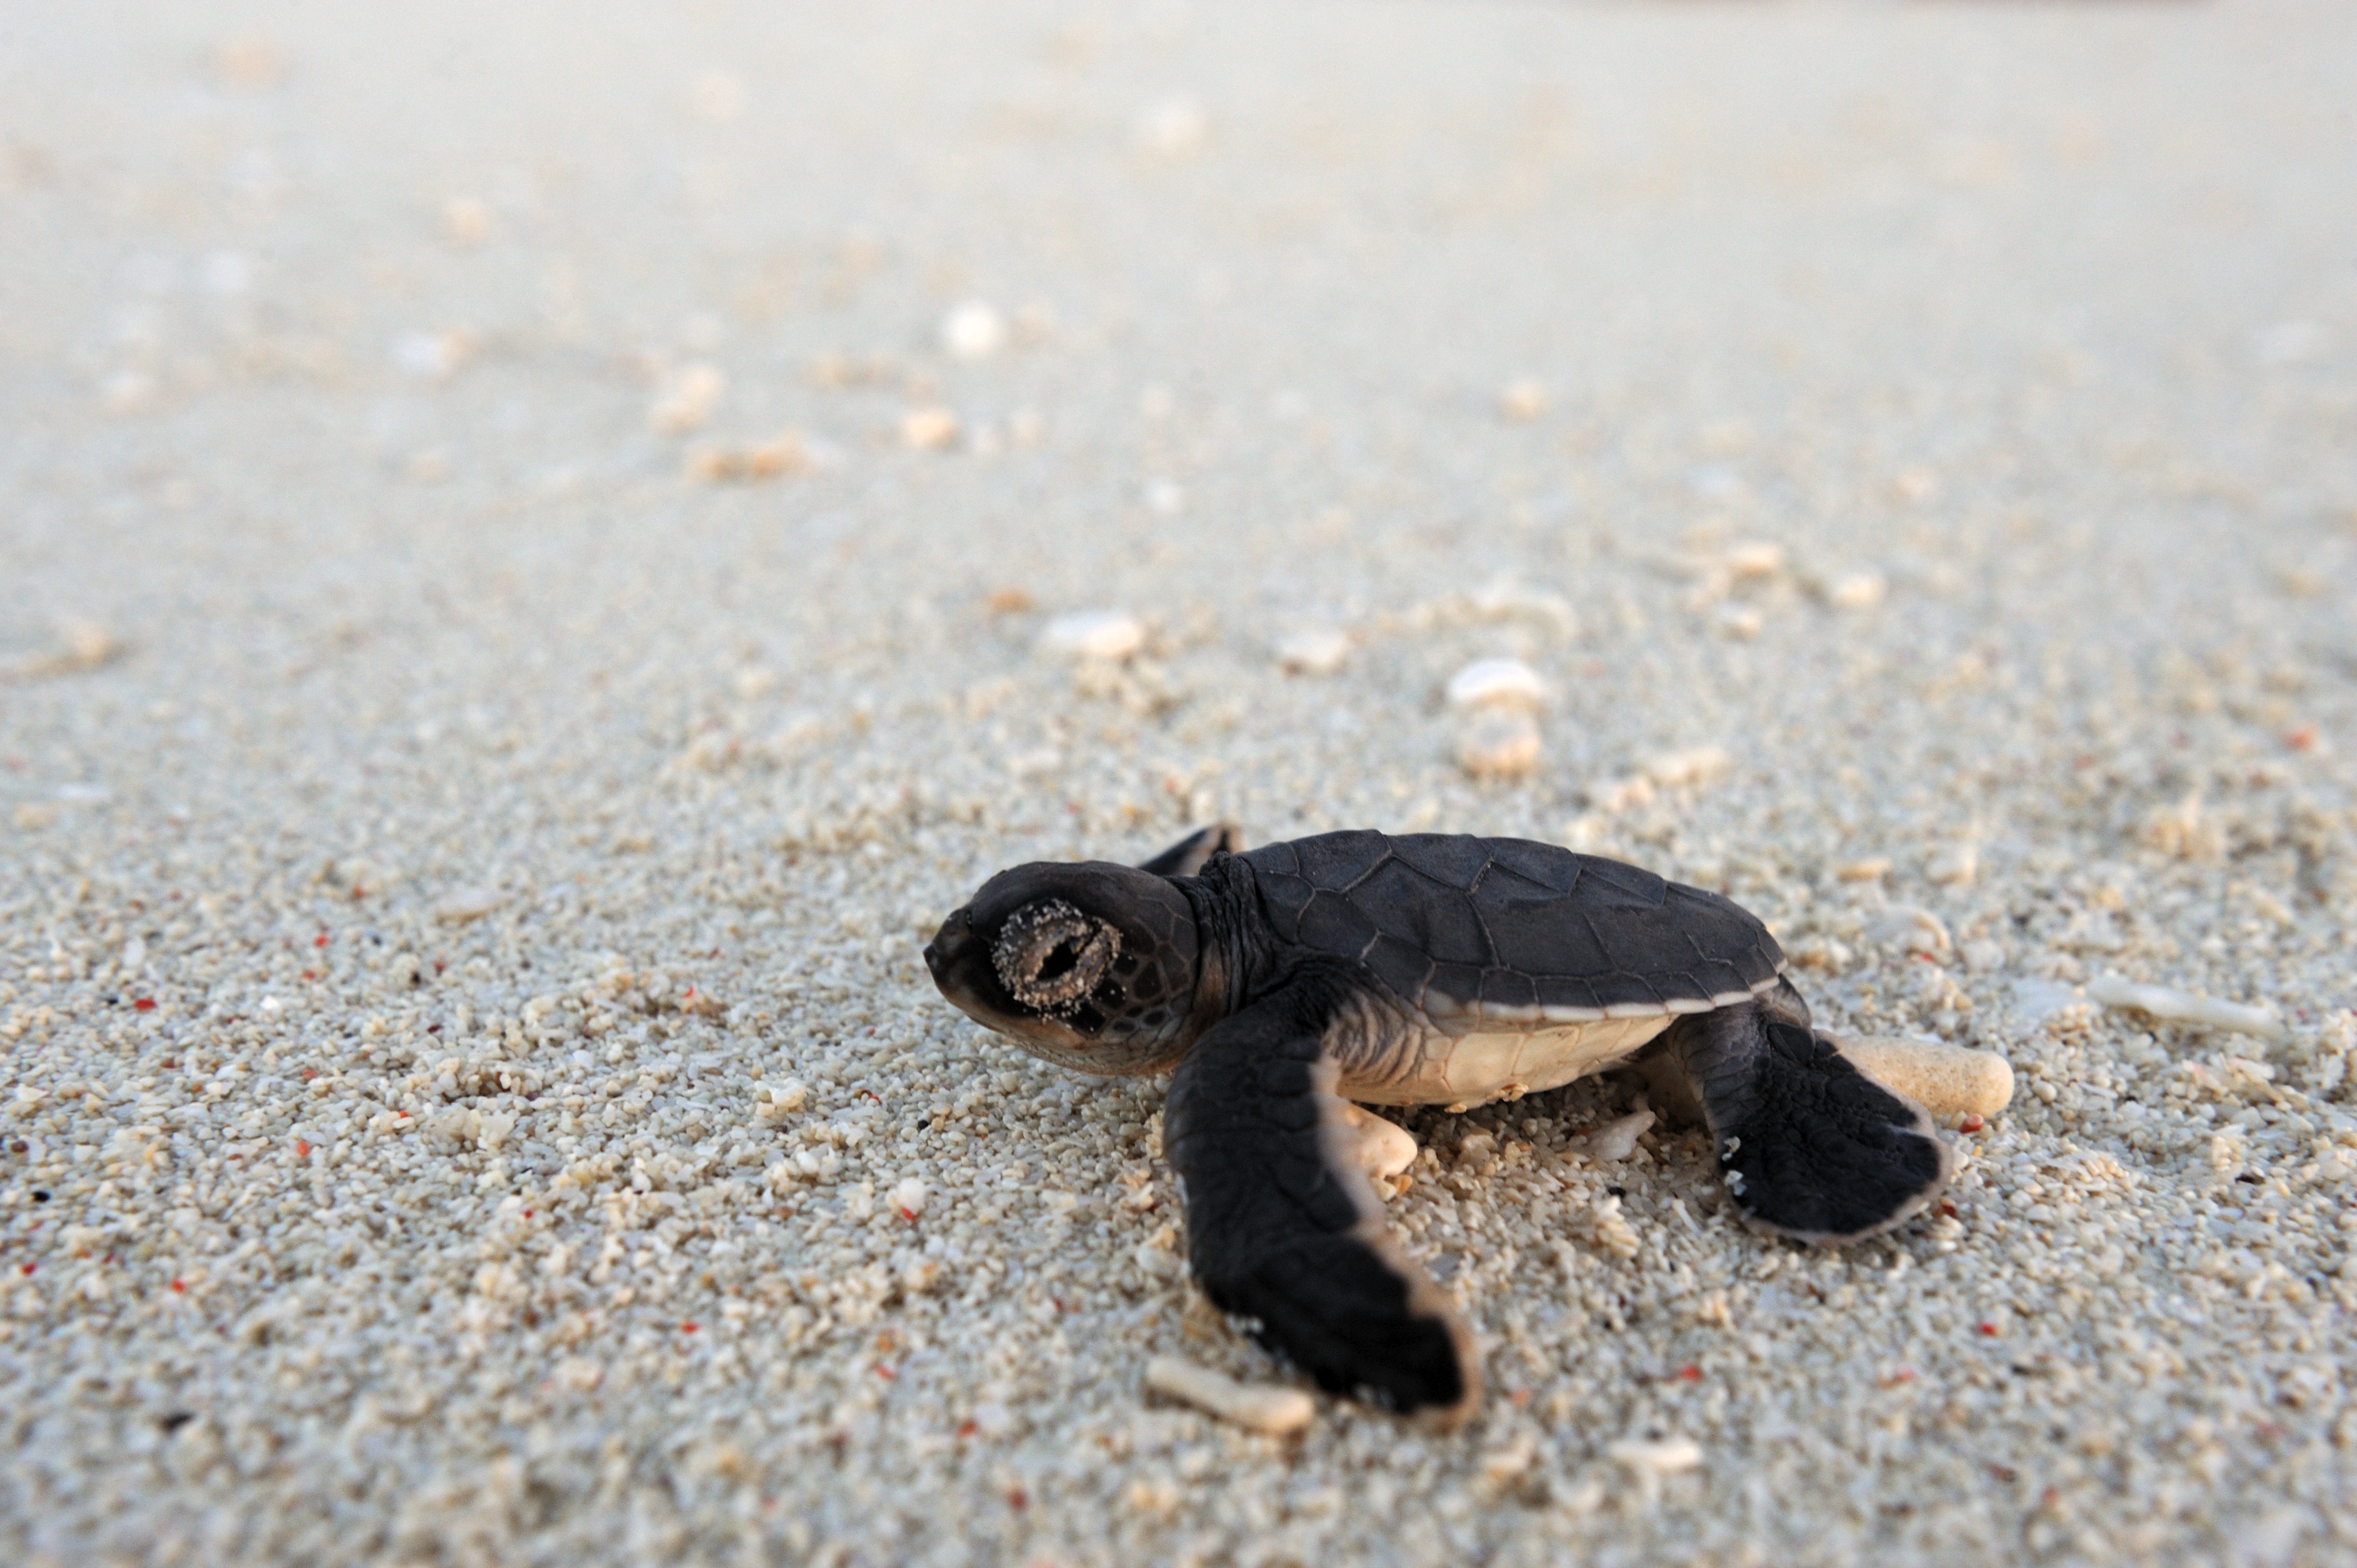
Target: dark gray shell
(1509,931)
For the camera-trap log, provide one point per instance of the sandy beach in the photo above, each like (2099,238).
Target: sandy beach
(542,548)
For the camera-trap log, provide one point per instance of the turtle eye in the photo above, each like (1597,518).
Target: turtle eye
(1049,955)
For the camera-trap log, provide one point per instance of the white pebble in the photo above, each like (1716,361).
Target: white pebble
(1094,634)
(928,429)
(774,1102)
(1499,746)
(80,645)
(1157,1264)
(1911,930)
(1669,1456)
(463,904)
(787,453)
(1583,832)
(973,331)
(685,399)
(1616,1140)
(1754,558)
(1856,590)
(1503,598)
(908,1197)
(1507,683)
(1946,1080)
(1692,764)
(1742,622)
(2184,1007)
(1512,1458)
(1173,127)
(1313,650)
(1524,400)
(1280,1412)
(1958,863)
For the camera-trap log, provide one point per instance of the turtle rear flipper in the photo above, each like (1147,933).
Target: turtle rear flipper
(1810,1147)
(1283,1227)
(1185,857)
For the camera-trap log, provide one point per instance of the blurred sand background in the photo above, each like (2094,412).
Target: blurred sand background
(537,541)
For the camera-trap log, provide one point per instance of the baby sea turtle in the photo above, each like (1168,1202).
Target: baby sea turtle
(1285,983)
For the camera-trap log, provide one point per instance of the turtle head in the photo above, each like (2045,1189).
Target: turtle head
(1091,966)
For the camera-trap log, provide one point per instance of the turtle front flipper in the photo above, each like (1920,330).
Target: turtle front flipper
(1185,857)
(1810,1147)
(1283,1227)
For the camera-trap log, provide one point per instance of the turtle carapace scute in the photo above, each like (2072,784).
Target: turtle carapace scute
(1280,984)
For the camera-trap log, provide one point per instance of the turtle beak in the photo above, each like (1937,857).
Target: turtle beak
(959,961)
(947,943)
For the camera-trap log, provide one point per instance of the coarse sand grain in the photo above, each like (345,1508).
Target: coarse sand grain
(470,1091)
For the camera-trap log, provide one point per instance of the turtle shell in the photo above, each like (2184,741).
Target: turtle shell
(1501,931)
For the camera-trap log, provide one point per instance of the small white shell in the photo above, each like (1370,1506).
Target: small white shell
(463,904)
(973,331)
(1524,400)
(1946,1080)
(1172,127)
(1157,1264)
(2184,1006)
(685,400)
(1692,764)
(1754,558)
(1654,1460)
(1499,746)
(1616,1140)
(1506,683)
(1094,634)
(1910,928)
(930,428)
(1958,863)
(1313,650)
(1262,1408)
(1856,590)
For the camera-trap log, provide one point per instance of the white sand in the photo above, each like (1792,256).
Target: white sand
(1949,414)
